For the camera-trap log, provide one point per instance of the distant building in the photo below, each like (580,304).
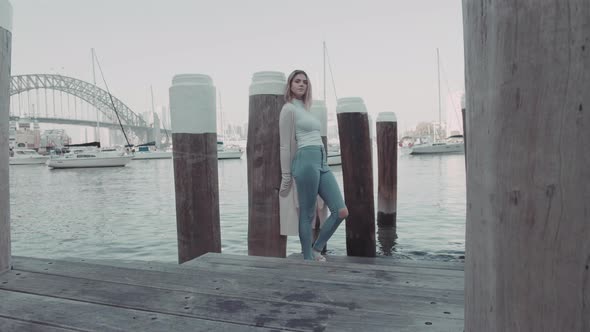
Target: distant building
(27,135)
(54,138)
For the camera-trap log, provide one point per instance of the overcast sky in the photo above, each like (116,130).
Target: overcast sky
(382,51)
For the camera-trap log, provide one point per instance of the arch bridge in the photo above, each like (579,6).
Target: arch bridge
(93,95)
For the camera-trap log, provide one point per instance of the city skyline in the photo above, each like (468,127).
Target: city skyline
(383,52)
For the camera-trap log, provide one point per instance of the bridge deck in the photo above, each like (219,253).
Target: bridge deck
(231,293)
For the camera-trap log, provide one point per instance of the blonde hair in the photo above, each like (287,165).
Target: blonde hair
(307,97)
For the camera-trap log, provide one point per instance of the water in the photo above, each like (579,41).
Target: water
(129,212)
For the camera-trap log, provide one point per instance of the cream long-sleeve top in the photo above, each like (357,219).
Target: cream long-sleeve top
(288,202)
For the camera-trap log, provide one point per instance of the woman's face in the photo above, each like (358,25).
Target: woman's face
(299,85)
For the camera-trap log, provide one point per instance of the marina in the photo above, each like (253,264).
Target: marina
(473,222)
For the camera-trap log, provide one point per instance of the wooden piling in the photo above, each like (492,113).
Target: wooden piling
(387,169)
(528,180)
(264,165)
(357,174)
(5,59)
(194,136)
(464,129)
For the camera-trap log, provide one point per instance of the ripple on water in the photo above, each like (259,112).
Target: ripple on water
(129,212)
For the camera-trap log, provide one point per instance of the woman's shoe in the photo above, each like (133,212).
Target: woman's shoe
(317,256)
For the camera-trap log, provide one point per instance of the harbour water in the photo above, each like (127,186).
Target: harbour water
(129,212)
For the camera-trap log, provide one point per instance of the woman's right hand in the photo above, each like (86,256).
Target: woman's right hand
(285,184)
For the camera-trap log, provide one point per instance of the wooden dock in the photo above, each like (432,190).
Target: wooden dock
(221,292)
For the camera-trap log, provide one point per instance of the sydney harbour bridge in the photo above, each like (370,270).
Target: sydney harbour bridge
(57,99)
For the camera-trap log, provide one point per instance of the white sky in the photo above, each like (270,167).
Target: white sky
(382,51)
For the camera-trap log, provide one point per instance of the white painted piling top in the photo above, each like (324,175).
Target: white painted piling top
(191,79)
(193,108)
(463,102)
(386,117)
(268,83)
(5,15)
(351,105)
(318,108)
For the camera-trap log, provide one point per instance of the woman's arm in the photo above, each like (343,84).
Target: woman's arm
(286,134)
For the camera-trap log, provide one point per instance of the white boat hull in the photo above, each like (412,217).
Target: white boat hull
(39,160)
(152,155)
(117,161)
(225,154)
(445,148)
(334,160)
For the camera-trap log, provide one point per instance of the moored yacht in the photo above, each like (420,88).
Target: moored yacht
(228,152)
(87,157)
(26,157)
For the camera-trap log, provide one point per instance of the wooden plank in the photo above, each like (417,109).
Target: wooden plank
(415,283)
(380,262)
(243,311)
(248,285)
(15,325)
(63,314)
(352,273)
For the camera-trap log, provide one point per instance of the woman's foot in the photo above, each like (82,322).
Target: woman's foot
(317,256)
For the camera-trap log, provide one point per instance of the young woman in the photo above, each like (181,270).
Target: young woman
(305,172)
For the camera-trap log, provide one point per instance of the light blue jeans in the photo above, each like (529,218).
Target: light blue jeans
(313,176)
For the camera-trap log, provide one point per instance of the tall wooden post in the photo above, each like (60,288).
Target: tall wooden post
(387,169)
(194,136)
(357,174)
(528,177)
(5,55)
(464,129)
(264,165)
(318,108)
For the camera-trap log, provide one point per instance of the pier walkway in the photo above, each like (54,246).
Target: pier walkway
(222,292)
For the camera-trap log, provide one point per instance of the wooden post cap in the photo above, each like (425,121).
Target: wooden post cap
(351,105)
(192,104)
(386,117)
(5,15)
(268,83)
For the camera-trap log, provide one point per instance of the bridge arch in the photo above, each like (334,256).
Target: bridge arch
(88,92)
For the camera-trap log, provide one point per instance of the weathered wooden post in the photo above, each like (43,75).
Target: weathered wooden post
(528,178)
(5,56)
(194,136)
(264,165)
(387,169)
(464,129)
(318,108)
(357,174)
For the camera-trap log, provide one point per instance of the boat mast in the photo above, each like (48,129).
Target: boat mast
(94,96)
(439,107)
(221,116)
(324,50)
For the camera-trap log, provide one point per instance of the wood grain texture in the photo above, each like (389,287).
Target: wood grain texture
(197,194)
(357,176)
(5,58)
(387,173)
(216,292)
(264,177)
(528,186)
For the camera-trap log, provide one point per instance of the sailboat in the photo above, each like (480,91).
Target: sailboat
(226,151)
(453,144)
(151,150)
(89,155)
(333,157)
